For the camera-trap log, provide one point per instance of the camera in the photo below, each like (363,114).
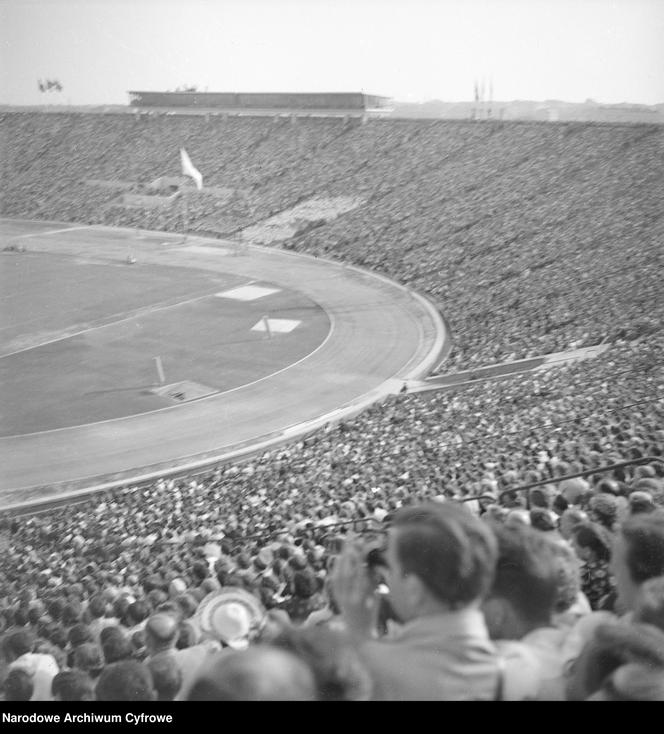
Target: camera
(375,558)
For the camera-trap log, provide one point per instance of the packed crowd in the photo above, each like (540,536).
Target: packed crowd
(531,237)
(440,603)
(270,530)
(396,541)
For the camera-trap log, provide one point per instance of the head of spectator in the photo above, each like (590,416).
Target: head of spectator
(127,680)
(115,645)
(96,607)
(620,662)
(517,518)
(137,613)
(339,673)
(607,485)
(177,587)
(569,581)
(79,634)
(440,558)
(121,606)
(89,659)
(35,612)
(641,502)
(591,542)
(638,555)
(19,685)
(524,592)
(57,635)
(496,514)
(161,633)
(55,608)
(166,676)
(18,643)
(644,471)
(574,490)
(649,603)
(541,497)
(603,509)
(543,520)
(261,673)
(72,612)
(156,597)
(654,486)
(199,572)
(569,519)
(138,641)
(73,685)
(560,504)
(186,604)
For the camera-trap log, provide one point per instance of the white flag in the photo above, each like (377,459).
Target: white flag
(188,169)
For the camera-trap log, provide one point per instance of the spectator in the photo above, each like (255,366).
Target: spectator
(42,668)
(115,645)
(127,680)
(339,672)
(72,685)
(166,676)
(19,685)
(439,565)
(521,606)
(161,632)
(637,556)
(641,502)
(649,605)
(96,613)
(137,615)
(258,674)
(603,509)
(89,659)
(569,519)
(592,544)
(621,662)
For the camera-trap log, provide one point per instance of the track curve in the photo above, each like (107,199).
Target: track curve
(381,335)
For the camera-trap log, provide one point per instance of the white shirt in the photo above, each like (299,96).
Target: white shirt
(43,668)
(546,647)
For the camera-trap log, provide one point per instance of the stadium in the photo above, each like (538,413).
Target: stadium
(209,389)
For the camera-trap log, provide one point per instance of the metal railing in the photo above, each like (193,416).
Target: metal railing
(380,526)
(555,480)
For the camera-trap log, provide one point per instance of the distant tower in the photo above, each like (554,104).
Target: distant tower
(490,96)
(483,99)
(477,99)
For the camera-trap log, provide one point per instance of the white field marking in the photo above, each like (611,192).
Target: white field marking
(203,249)
(50,231)
(247,292)
(148,312)
(206,397)
(277,326)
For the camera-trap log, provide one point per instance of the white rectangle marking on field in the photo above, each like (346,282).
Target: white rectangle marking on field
(247,293)
(203,249)
(277,326)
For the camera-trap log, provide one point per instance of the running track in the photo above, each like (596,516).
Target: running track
(381,335)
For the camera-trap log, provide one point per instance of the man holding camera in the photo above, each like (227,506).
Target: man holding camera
(438,566)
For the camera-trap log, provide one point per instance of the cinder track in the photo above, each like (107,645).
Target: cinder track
(381,336)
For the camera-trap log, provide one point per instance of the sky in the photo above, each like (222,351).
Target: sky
(411,50)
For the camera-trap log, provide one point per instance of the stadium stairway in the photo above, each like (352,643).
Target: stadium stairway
(503,369)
